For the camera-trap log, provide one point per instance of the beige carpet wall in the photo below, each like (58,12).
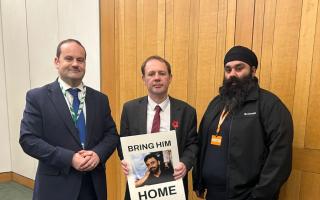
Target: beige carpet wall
(194,36)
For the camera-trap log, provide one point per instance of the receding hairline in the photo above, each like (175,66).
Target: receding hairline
(68,41)
(157,58)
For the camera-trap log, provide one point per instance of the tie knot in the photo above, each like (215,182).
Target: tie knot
(157,109)
(74,92)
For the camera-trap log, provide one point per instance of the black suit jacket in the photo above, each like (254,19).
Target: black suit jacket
(134,122)
(48,134)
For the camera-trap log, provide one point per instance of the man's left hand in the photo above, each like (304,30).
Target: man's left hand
(180,171)
(93,161)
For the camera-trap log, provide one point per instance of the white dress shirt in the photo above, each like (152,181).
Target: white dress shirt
(164,114)
(69,97)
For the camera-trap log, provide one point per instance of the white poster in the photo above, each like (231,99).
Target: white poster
(151,159)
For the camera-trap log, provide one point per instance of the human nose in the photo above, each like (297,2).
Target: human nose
(75,62)
(157,76)
(232,72)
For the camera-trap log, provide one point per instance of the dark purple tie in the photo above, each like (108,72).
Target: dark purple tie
(156,120)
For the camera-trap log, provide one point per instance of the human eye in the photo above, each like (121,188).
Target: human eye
(68,58)
(81,60)
(151,73)
(239,67)
(227,69)
(162,73)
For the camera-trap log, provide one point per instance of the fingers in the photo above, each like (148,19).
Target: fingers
(88,166)
(179,171)
(178,174)
(125,167)
(85,160)
(81,152)
(92,162)
(77,160)
(85,153)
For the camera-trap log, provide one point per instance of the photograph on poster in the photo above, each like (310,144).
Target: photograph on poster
(152,168)
(151,159)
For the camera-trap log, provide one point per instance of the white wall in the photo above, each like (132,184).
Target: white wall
(31,30)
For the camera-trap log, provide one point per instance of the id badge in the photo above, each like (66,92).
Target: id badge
(216,140)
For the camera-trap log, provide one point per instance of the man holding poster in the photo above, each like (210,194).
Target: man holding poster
(159,112)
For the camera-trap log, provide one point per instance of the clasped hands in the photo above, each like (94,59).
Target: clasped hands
(85,160)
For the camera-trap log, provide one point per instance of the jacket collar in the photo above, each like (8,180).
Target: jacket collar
(143,105)
(175,112)
(253,94)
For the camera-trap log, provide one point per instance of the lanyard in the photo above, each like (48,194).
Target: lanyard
(74,115)
(223,116)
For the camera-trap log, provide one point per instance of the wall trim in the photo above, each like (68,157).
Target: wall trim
(22,180)
(5,176)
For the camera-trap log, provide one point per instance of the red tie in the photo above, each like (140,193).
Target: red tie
(156,120)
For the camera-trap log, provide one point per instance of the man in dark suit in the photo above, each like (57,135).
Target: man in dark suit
(68,127)
(138,116)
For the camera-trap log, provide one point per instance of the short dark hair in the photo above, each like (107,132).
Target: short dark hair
(67,41)
(158,58)
(151,155)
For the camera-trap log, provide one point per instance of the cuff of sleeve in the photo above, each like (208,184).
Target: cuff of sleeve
(66,159)
(187,164)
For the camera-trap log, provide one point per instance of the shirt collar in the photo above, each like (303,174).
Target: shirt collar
(66,86)
(163,105)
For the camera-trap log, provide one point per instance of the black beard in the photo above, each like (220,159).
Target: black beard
(154,171)
(235,90)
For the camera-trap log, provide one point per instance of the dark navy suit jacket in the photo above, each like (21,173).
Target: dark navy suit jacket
(48,134)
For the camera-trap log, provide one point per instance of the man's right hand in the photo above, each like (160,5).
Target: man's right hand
(125,167)
(78,161)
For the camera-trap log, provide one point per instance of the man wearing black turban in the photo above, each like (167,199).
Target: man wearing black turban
(245,137)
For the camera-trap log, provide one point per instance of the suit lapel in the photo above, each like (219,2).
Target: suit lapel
(142,118)
(60,104)
(175,115)
(90,113)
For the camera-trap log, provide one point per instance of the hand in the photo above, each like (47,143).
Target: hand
(141,181)
(125,167)
(78,160)
(200,194)
(147,174)
(92,160)
(180,171)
